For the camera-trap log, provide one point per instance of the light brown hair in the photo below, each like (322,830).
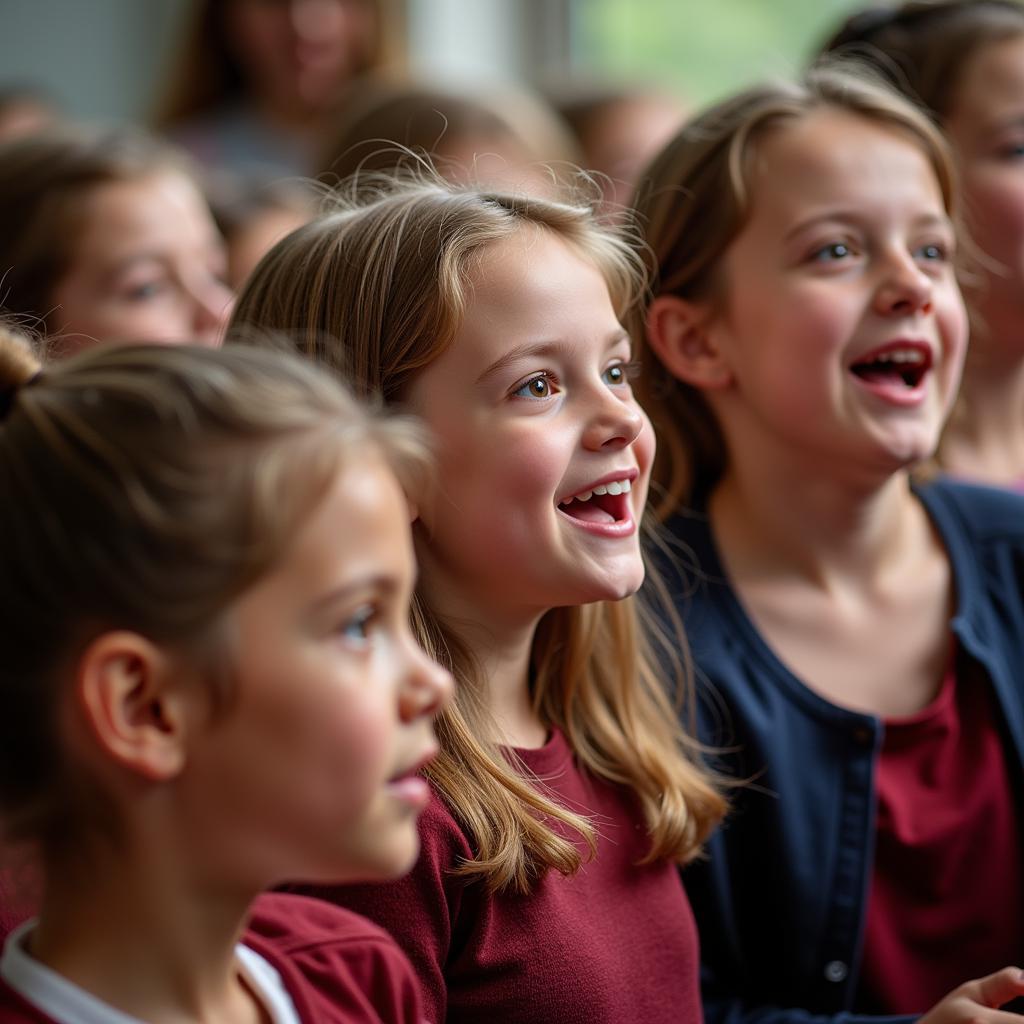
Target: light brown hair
(146,488)
(377,291)
(386,123)
(45,180)
(694,200)
(922,46)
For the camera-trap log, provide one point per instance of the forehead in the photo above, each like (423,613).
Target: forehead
(993,75)
(528,276)
(358,530)
(832,157)
(164,206)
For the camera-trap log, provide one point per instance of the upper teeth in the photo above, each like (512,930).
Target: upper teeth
(908,355)
(613,487)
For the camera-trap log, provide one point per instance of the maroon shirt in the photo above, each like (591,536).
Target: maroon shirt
(614,943)
(338,968)
(946,902)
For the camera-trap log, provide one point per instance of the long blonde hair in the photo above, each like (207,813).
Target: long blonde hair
(378,290)
(692,202)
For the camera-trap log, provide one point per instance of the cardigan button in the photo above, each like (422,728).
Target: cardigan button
(862,737)
(836,971)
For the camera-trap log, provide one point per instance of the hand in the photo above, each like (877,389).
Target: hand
(977,1002)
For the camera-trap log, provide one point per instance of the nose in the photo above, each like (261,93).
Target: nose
(426,686)
(311,19)
(212,308)
(904,287)
(615,422)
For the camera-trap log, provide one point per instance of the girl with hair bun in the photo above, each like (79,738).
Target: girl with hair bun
(209,686)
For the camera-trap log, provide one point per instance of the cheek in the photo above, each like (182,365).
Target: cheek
(644,448)
(994,200)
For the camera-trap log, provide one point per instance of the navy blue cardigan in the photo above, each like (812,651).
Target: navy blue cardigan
(781,898)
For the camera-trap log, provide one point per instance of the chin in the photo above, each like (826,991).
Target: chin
(615,589)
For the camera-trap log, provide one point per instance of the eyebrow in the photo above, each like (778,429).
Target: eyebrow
(848,215)
(541,350)
(379,584)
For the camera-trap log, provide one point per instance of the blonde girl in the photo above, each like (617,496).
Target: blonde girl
(859,634)
(563,798)
(964,61)
(209,687)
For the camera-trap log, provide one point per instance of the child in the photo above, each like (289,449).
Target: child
(563,799)
(964,60)
(107,238)
(255,84)
(508,140)
(859,635)
(209,687)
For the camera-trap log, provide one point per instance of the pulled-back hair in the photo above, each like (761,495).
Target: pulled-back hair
(691,204)
(146,488)
(922,46)
(45,179)
(378,290)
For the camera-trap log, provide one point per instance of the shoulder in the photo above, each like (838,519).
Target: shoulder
(331,955)
(981,515)
(293,922)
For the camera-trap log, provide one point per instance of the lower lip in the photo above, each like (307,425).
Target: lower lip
(620,528)
(895,393)
(412,791)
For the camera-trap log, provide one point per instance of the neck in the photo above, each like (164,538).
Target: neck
(800,521)
(134,929)
(500,639)
(985,438)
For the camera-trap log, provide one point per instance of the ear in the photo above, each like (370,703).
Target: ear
(132,699)
(681,334)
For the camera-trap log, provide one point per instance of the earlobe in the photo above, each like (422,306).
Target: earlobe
(126,691)
(679,332)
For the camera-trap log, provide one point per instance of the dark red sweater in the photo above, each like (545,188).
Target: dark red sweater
(614,943)
(337,967)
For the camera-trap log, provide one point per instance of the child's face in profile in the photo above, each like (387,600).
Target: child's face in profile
(986,125)
(842,328)
(544,453)
(311,771)
(146,266)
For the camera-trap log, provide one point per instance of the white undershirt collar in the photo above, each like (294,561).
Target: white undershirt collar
(67,1003)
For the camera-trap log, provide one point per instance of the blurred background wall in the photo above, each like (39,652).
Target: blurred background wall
(107,58)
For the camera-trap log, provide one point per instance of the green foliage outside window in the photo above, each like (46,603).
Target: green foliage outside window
(701,49)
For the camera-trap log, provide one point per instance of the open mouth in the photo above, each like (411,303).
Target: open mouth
(605,503)
(899,366)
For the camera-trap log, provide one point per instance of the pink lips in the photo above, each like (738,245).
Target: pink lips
(410,787)
(896,372)
(604,507)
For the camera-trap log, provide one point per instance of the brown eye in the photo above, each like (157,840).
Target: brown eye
(537,387)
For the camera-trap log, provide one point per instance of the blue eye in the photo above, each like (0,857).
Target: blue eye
(358,625)
(535,387)
(148,290)
(932,251)
(832,251)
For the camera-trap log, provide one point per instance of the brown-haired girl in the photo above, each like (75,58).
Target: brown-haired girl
(859,634)
(107,238)
(209,687)
(257,83)
(563,798)
(964,61)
